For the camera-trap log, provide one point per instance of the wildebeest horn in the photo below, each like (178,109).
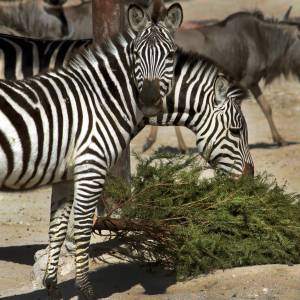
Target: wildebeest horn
(287,14)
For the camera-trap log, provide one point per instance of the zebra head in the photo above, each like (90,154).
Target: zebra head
(224,140)
(153,55)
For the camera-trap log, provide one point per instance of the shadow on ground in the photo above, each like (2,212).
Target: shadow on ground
(170,149)
(20,254)
(113,279)
(270,145)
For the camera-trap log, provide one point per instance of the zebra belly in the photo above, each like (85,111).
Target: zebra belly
(18,176)
(28,160)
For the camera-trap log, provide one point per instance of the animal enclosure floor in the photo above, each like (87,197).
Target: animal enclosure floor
(24,217)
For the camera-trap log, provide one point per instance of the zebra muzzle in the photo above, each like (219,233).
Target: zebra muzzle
(150,98)
(248,170)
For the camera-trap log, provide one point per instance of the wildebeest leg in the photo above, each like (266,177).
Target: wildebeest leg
(151,138)
(61,204)
(181,144)
(267,110)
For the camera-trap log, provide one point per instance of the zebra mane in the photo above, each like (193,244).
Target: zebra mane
(193,58)
(108,47)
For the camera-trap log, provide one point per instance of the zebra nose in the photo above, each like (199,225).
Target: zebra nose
(150,91)
(150,98)
(248,170)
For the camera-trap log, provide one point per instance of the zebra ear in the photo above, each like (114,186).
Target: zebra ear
(221,89)
(137,18)
(174,17)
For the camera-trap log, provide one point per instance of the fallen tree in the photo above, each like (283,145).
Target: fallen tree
(192,225)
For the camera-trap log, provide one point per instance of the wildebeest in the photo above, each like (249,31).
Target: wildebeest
(79,18)
(30,19)
(55,8)
(260,49)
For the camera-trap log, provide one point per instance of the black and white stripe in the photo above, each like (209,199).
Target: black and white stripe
(218,123)
(24,57)
(214,115)
(151,55)
(72,124)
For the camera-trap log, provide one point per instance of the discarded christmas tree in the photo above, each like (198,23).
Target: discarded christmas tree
(194,225)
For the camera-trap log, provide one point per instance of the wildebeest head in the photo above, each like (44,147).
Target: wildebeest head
(153,55)
(223,139)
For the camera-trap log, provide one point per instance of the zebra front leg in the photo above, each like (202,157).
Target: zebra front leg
(88,187)
(151,138)
(61,204)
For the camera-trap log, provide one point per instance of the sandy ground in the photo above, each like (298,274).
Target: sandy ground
(24,217)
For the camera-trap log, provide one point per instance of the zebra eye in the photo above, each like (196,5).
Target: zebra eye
(235,130)
(170,55)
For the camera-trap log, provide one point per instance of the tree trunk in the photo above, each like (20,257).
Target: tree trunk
(108,19)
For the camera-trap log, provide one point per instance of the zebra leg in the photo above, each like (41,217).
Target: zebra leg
(88,188)
(151,138)
(61,204)
(181,143)
(267,110)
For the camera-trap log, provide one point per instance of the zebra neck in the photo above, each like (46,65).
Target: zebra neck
(169,119)
(191,95)
(107,71)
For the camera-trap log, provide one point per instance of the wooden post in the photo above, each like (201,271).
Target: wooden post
(108,19)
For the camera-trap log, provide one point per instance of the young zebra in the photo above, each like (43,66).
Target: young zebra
(73,123)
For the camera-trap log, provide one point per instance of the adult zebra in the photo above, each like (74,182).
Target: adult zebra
(73,123)
(24,57)
(207,102)
(204,101)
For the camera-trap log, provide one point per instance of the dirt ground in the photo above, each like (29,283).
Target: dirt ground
(24,217)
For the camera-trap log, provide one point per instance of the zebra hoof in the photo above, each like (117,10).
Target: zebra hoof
(86,291)
(55,294)
(52,290)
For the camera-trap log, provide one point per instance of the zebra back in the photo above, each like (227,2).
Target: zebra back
(24,57)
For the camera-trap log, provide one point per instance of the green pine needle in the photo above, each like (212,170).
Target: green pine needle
(213,223)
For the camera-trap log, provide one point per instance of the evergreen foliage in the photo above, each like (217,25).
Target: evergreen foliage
(207,224)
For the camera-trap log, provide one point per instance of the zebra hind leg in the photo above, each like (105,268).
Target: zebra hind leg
(88,187)
(61,205)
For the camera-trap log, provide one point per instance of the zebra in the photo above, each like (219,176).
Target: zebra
(208,102)
(72,124)
(230,137)
(22,57)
